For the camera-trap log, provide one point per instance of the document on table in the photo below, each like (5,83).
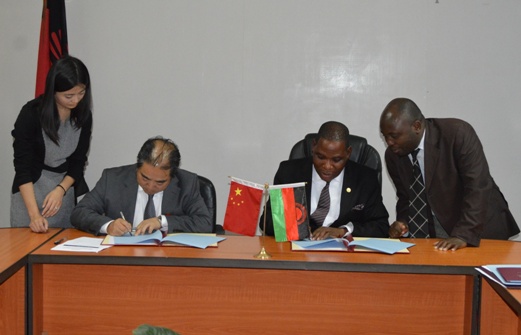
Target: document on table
(496,272)
(388,246)
(201,241)
(82,244)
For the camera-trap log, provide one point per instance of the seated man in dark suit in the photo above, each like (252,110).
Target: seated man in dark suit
(343,197)
(152,194)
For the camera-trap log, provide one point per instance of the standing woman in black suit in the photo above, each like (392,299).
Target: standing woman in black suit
(51,140)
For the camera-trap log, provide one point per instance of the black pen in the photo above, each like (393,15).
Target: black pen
(63,239)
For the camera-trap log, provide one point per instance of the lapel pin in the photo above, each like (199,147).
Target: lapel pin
(348,190)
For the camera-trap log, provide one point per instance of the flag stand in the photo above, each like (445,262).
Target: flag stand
(262,253)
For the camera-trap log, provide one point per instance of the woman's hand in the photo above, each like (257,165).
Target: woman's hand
(52,202)
(39,224)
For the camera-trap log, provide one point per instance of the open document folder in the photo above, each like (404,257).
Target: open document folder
(385,245)
(156,238)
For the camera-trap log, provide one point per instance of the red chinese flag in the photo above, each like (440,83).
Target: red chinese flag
(242,211)
(53,40)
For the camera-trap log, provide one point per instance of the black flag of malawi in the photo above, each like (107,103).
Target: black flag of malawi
(53,40)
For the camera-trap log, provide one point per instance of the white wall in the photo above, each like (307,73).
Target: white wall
(236,82)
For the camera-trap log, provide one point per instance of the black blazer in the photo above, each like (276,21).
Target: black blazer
(361,200)
(29,150)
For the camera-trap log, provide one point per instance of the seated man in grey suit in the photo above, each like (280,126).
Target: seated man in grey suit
(351,192)
(152,194)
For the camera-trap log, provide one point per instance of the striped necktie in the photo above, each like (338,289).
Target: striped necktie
(320,213)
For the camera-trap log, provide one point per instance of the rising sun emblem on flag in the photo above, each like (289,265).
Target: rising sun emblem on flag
(301,213)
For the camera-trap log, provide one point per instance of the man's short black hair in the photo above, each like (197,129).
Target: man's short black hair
(334,131)
(162,152)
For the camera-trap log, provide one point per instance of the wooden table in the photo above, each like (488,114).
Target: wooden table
(500,309)
(225,290)
(15,244)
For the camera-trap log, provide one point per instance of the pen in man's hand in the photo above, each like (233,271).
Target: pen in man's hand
(123,217)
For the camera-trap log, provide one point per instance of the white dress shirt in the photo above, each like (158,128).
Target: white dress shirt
(139,210)
(421,156)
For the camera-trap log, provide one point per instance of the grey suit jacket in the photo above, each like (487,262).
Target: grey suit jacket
(116,192)
(460,190)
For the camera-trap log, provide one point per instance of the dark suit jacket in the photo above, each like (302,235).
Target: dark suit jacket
(362,205)
(116,192)
(460,189)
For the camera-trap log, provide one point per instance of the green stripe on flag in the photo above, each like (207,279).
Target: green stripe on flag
(277,214)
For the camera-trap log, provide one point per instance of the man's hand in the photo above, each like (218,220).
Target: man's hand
(325,232)
(119,227)
(148,226)
(398,229)
(451,243)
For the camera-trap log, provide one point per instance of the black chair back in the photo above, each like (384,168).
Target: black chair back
(210,199)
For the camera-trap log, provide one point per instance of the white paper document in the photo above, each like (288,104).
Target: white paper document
(82,244)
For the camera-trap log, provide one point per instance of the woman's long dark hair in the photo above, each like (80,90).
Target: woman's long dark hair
(65,74)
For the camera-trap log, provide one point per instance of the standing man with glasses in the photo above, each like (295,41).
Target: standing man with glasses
(442,180)
(140,198)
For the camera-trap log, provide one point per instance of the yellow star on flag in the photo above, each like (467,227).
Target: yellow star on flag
(242,210)
(238,191)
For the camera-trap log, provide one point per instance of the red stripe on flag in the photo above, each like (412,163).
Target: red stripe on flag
(55,47)
(290,215)
(53,40)
(44,60)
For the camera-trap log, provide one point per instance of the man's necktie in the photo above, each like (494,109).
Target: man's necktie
(150,210)
(419,210)
(320,213)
